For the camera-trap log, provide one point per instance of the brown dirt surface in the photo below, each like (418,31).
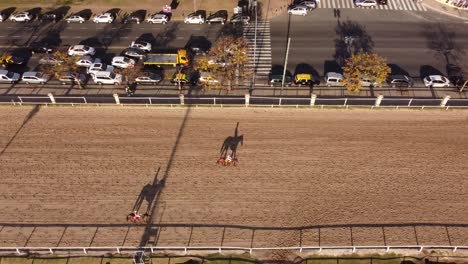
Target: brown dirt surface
(306,177)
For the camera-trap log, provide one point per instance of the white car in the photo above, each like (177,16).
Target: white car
(366,3)
(105,77)
(9,76)
(103,18)
(298,10)
(81,50)
(207,78)
(98,67)
(75,19)
(21,17)
(123,62)
(87,61)
(143,45)
(35,77)
(157,19)
(194,19)
(436,81)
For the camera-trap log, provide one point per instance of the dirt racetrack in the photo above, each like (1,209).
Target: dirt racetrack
(69,176)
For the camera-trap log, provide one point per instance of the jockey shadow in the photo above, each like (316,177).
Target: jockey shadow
(231,143)
(148,193)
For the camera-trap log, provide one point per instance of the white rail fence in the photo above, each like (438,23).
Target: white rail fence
(247,100)
(187,249)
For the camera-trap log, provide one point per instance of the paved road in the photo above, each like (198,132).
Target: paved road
(408,39)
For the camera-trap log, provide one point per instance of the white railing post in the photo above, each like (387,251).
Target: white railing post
(455,249)
(21,100)
(279,103)
(116,98)
(410,101)
(214,100)
(247,99)
(182,99)
(378,101)
(345,101)
(52,98)
(118,250)
(18,252)
(313,97)
(50,250)
(185,250)
(444,101)
(421,249)
(151,102)
(85,101)
(84,250)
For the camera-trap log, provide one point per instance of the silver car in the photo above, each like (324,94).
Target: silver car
(50,60)
(75,19)
(35,77)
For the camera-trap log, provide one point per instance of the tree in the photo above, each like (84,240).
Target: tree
(65,64)
(129,74)
(364,65)
(226,61)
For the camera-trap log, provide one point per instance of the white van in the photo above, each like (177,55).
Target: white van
(35,77)
(333,79)
(105,77)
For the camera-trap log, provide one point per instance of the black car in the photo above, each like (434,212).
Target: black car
(134,18)
(42,46)
(400,81)
(50,17)
(199,46)
(134,53)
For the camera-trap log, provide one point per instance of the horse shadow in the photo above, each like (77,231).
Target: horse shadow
(231,143)
(148,193)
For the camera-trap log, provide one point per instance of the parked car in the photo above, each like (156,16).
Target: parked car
(194,19)
(104,18)
(42,46)
(436,81)
(218,17)
(183,79)
(9,76)
(240,19)
(134,53)
(277,80)
(99,67)
(72,78)
(87,61)
(139,44)
(3,17)
(303,79)
(35,77)
(133,18)
(80,50)
(208,78)
(50,17)
(366,3)
(148,78)
(333,79)
(21,17)
(400,81)
(10,59)
(199,46)
(367,82)
(298,10)
(75,19)
(309,4)
(218,61)
(123,62)
(158,19)
(106,77)
(50,59)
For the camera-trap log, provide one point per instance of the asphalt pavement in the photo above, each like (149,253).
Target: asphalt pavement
(415,42)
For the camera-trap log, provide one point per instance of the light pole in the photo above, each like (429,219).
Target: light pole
(285,64)
(254,4)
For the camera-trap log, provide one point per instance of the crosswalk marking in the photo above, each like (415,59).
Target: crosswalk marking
(406,5)
(260,55)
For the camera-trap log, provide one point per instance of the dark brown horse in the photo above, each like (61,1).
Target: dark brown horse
(231,143)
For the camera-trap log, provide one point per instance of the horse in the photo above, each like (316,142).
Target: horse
(225,162)
(137,218)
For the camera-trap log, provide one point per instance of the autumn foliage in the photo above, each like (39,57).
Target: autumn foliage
(364,65)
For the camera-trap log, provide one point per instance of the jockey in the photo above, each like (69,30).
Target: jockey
(228,158)
(136,216)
